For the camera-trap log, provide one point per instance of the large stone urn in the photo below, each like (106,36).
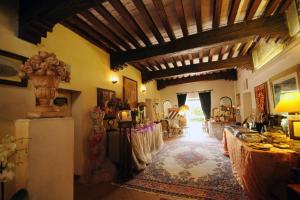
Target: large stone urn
(45,92)
(45,72)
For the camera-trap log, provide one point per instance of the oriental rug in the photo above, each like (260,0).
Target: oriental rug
(190,168)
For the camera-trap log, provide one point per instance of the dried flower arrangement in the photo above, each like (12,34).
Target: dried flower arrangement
(44,64)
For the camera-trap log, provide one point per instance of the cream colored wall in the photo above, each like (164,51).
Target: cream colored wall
(90,68)
(285,60)
(269,60)
(219,89)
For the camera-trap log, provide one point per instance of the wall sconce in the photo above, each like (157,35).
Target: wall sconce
(143,89)
(114,79)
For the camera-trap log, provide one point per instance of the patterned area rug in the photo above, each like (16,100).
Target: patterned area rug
(192,169)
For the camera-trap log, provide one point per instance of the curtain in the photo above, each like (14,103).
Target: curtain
(205,101)
(181,99)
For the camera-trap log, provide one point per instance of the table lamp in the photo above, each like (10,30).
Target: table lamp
(290,103)
(183,109)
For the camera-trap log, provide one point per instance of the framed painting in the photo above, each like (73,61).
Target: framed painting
(284,84)
(294,129)
(103,97)
(130,92)
(9,67)
(261,97)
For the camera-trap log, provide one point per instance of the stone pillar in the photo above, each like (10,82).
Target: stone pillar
(47,170)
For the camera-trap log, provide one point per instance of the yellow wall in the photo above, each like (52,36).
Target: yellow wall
(90,68)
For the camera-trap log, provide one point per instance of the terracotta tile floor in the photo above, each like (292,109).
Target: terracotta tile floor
(111,192)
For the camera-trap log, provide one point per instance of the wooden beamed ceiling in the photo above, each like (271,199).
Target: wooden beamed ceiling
(230,74)
(165,38)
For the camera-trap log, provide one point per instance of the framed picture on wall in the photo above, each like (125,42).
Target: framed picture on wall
(261,97)
(103,97)
(9,67)
(130,92)
(284,84)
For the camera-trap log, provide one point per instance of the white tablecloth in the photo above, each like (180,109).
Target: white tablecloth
(145,144)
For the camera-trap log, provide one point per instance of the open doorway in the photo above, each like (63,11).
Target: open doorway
(195,114)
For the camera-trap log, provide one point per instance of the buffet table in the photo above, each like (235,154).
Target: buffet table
(146,142)
(259,172)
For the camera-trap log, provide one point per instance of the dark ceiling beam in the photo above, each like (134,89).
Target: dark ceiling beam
(84,26)
(198,18)
(254,4)
(124,13)
(164,61)
(243,61)
(159,6)
(46,14)
(116,25)
(230,74)
(148,19)
(155,62)
(137,66)
(246,30)
(284,5)
(83,33)
(217,6)
(246,48)
(150,66)
(181,17)
(105,30)
(271,7)
(235,4)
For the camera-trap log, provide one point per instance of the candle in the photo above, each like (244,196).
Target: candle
(124,115)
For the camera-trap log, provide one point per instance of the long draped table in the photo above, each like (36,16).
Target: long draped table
(146,142)
(259,172)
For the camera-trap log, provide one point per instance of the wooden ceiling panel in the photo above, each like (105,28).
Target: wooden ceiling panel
(272,7)
(148,19)
(242,11)
(225,12)
(105,30)
(261,9)
(283,6)
(142,19)
(252,9)
(227,75)
(172,17)
(130,21)
(234,7)
(114,23)
(217,8)
(161,12)
(188,6)
(206,11)
(123,22)
(154,13)
(198,15)
(162,35)
(181,17)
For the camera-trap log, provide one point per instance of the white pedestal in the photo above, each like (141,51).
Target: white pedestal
(48,169)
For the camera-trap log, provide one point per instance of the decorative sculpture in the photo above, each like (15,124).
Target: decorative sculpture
(97,147)
(45,71)
(100,168)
